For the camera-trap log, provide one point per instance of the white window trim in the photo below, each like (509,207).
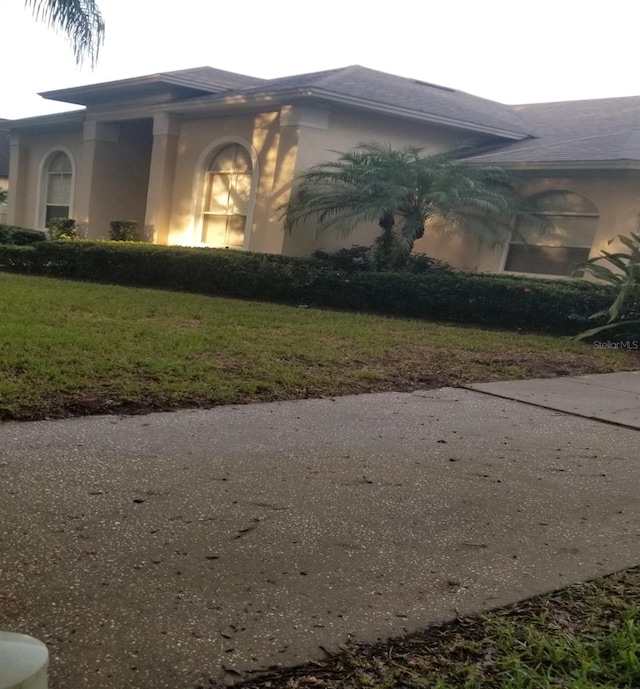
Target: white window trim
(41,194)
(197,205)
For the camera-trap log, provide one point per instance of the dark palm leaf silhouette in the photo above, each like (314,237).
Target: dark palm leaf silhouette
(403,190)
(79,20)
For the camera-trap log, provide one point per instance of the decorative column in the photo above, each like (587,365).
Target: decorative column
(90,201)
(17,208)
(166,132)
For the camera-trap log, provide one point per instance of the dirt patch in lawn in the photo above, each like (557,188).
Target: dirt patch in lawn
(240,381)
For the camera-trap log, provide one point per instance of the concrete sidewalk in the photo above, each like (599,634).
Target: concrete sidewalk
(611,397)
(150,551)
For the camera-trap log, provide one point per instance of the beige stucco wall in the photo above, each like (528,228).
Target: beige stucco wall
(116,174)
(286,142)
(28,154)
(460,249)
(112,163)
(274,152)
(326,132)
(110,175)
(616,195)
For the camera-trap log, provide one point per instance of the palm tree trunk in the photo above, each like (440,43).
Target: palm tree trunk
(383,250)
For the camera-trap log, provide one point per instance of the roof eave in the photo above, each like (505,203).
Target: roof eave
(71,95)
(387,109)
(624,164)
(83,95)
(61,119)
(238,100)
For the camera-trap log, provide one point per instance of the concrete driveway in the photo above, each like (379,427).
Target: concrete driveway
(152,551)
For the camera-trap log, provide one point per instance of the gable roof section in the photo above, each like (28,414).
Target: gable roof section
(598,131)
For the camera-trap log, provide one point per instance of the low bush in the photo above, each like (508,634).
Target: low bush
(421,263)
(19,236)
(362,258)
(347,260)
(124,231)
(492,300)
(62,228)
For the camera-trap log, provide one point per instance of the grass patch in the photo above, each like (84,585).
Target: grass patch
(586,636)
(69,348)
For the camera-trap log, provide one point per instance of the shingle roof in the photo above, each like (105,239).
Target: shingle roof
(213,78)
(606,129)
(183,83)
(363,87)
(411,95)
(572,131)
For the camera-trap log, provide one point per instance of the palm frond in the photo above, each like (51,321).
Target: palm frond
(80,20)
(373,181)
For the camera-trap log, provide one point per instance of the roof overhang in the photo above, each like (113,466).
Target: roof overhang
(154,85)
(239,101)
(62,120)
(384,108)
(563,165)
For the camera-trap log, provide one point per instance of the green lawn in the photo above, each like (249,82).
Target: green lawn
(584,637)
(76,348)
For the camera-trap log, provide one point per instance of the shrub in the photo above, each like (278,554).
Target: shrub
(491,300)
(62,228)
(124,231)
(622,271)
(421,263)
(19,236)
(348,260)
(363,258)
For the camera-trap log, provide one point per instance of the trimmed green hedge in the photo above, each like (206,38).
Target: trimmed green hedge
(503,301)
(359,258)
(18,236)
(62,228)
(124,231)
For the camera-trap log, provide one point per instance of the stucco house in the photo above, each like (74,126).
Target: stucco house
(4,153)
(204,157)
(4,165)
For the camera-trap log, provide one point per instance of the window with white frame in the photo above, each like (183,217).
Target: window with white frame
(562,248)
(227,197)
(58,180)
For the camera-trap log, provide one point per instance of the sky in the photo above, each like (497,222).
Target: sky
(505,50)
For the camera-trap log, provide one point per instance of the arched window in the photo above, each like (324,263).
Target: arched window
(57,181)
(227,197)
(561,249)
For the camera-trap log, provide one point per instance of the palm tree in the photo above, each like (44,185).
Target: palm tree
(403,191)
(80,20)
